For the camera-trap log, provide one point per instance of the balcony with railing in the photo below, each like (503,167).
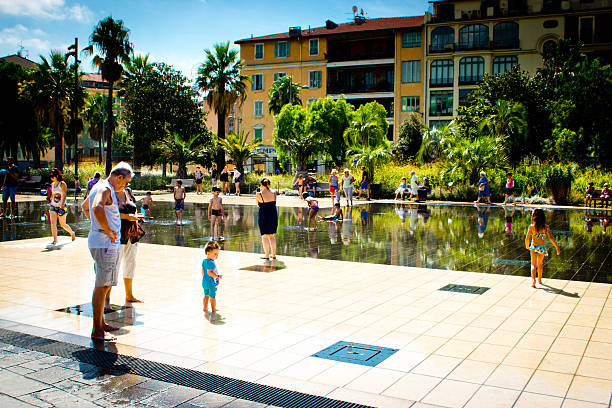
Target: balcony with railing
(473,45)
(359,80)
(509,43)
(344,50)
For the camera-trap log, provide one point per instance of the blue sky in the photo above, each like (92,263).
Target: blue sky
(173,31)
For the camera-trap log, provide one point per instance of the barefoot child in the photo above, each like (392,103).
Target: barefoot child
(147,203)
(337,214)
(215,213)
(313,205)
(210,277)
(536,244)
(179,200)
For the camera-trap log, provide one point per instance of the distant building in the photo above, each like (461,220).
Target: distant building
(20,60)
(468,38)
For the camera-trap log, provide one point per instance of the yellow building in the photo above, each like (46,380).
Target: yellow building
(467,38)
(364,60)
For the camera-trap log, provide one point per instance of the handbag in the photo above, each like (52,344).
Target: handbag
(481,187)
(131,231)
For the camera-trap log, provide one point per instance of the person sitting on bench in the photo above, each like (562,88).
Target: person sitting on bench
(423,190)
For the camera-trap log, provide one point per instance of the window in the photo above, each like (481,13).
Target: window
(257,82)
(442,73)
(313,47)
(370,80)
(586,30)
(411,71)
(259,51)
(257,135)
(411,40)
(474,37)
(549,47)
(441,38)
(464,96)
(411,103)
(279,75)
(503,64)
(471,70)
(506,35)
(281,49)
(441,103)
(258,111)
(439,124)
(314,79)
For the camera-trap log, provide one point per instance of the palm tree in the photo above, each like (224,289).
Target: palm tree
(50,90)
(239,149)
(94,117)
(508,121)
(371,157)
(174,149)
(368,127)
(110,39)
(280,93)
(219,76)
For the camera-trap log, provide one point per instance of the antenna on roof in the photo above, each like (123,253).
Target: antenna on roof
(354,10)
(22,51)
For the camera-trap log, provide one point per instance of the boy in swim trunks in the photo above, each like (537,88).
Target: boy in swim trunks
(337,214)
(210,277)
(147,203)
(215,213)
(179,201)
(313,206)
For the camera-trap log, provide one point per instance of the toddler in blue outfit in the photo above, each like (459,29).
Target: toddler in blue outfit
(210,277)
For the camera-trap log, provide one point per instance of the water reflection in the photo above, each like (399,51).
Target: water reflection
(403,234)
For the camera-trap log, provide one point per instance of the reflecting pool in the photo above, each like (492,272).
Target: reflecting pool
(466,238)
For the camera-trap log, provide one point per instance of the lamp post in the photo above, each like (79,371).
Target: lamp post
(73,51)
(291,89)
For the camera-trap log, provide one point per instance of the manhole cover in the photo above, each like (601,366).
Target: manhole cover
(476,290)
(86,310)
(356,353)
(271,267)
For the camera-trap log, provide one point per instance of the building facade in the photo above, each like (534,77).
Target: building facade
(468,38)
(364,60)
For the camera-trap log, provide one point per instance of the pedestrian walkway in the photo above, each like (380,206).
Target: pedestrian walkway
(511,346)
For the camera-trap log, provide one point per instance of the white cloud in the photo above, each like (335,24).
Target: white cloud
(52,9)
(33,40)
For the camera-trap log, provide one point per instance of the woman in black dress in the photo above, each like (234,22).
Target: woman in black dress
(268,218)
(224,179)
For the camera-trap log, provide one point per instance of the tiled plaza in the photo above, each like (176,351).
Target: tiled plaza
(512,346)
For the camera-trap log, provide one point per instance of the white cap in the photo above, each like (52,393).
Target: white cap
(333,170)
(346,170)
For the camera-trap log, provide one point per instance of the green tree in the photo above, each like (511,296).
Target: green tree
(369,126)
(94,117)
(329,119)
(176,149)
(281,91)
(110,39)
(371,157)
(134,83)
(239,149)
(508,122)
(49,90)
(410,137)
(294,140)
(221,79)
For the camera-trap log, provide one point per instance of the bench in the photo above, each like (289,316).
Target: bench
(320,188)
(187,183)
(599,198)
(33,184)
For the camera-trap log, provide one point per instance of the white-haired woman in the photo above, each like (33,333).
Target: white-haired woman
(483,188)
(414,185)
(347,187)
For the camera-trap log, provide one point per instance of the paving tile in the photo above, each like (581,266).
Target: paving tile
(341,374)
(566,345)
(561,363)
(52,374)
(590,389)
(211,400)
(529,400)
(9,402)
(594,367)
(511,377)
(437,366)
(472,371)
(16,385)
(375,380)
(240,403)
(536,342)
(524,358)
(456,348)
(570,403)
(172,397)
(576,332)
(412,387)
(490,353)
(493,397)
(367,398)
(451,393)
(549,383)
(597,349)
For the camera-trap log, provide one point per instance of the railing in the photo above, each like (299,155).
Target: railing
(340,88)
(438,83)
(448,47)
(512,43)
(345,56)
(441,112)
(473,45)
(466,46)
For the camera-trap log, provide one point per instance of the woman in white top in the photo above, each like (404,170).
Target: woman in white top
(237,180)
(347,187)
(414,185)
(57,209)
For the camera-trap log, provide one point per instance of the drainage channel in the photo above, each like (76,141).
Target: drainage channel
(263,394)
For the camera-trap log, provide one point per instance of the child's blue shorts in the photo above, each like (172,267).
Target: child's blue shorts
(210,292)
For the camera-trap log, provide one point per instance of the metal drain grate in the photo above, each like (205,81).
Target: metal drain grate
(476,290)
(86,310)
(176,375)
(263,268)
(356,353)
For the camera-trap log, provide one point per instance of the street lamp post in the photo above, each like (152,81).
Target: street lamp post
(73,51)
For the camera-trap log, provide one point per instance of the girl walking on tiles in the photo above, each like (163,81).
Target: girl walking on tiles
(536,244)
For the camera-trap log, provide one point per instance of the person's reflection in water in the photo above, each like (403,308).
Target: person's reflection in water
(588,222)
(605,223)
(483,220)
(236,214)
(401,212)
(414,217)
(9,230)
(197,209)
(179,238)
(347,226)
(298,213)
(423,213)
(364,214)
(313,248)
(508,216)
(333,232)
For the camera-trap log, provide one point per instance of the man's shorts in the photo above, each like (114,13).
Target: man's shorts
(9,191)
(179,204)
(364,185)
(106,265)
(212,292)
(198,181)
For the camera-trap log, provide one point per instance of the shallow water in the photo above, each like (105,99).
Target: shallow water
(434,236)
